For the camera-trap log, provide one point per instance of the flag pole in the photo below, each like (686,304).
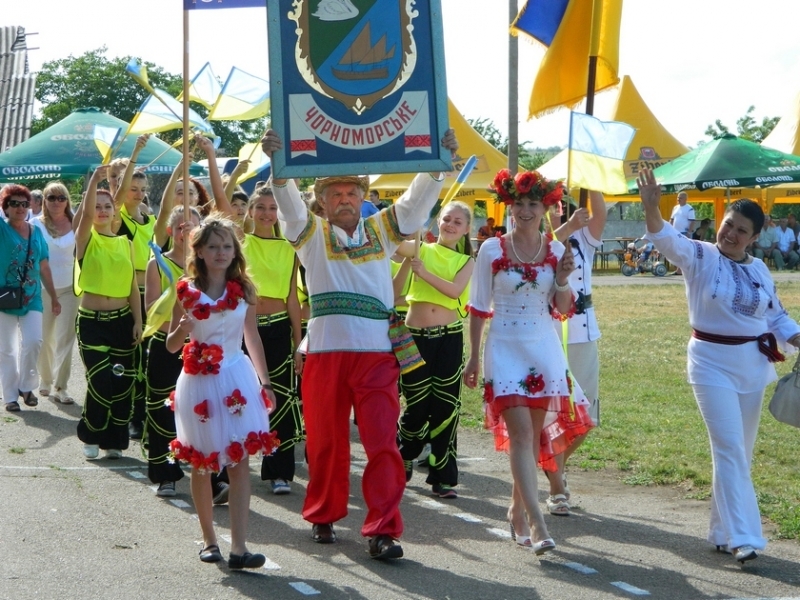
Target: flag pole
(186,213)
(513,93)
(594,49)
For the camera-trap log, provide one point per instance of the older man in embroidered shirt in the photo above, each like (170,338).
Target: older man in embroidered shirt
(350,361)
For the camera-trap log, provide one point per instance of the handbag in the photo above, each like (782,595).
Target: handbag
(785,403)
(13,296)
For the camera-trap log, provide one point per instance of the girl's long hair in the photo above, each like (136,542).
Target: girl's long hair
(260,192)
(465,243)
(216,224)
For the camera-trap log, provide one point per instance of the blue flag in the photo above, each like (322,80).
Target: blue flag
(202,4)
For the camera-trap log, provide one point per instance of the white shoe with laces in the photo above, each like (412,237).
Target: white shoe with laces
(91,451)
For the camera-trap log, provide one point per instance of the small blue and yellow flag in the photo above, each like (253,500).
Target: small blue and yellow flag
(243,97)
(105,138)
(597,152)
(204,87)
(159,112)
(139,72)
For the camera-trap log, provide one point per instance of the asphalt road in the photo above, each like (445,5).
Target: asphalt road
(78,529)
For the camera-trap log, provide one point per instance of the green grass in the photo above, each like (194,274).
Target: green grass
(16,450)
(650,428)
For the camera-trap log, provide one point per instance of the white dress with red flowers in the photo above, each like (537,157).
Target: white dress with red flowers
(523,356)
(220,413)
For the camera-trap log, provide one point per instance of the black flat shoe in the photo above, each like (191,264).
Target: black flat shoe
(210,554)
(246,561)
(28,398)
(323,533)
(383,547)
(12,406)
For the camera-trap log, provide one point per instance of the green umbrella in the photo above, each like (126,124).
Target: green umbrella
(727,162)
(67,149)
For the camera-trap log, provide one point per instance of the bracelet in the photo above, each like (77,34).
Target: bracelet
(267,386)
(562,288)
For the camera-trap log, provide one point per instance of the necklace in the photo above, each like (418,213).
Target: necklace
(740,261)
(519,256)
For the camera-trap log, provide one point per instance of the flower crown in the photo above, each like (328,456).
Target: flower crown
(508,188)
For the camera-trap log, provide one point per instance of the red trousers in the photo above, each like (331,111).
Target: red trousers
(333,382)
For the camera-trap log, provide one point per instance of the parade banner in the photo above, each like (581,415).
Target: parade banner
(357,86)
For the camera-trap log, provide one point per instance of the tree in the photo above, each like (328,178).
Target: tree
(746,126)
(528,159)
(91,79)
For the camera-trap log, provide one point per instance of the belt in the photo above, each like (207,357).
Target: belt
(437,330)
(266,320)
(767,344)
(104,315)
(587,301)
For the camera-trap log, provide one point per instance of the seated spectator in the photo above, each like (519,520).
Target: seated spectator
(787,246)
(704,233)
(487,231)
(793,224)
(766,246)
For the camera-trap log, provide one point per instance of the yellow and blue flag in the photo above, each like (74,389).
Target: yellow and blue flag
(204,87)
(243,97)
(572,34)
(139,72)
(204,4)
(159,112)
(105,138)
(597,152)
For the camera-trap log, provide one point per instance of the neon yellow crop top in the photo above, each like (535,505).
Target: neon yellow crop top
(442,262)
(269,265)
(106,268)
(142,233)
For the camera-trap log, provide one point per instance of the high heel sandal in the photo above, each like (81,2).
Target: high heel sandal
(546,545)
(521,540)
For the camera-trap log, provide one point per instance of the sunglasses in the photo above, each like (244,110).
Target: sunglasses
(19,203)
(57,198)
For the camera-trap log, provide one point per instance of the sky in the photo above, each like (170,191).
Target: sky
(693,61)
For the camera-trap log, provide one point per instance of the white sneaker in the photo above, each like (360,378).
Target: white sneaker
(91,451)
(113,453)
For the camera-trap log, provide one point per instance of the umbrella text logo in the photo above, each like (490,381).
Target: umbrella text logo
(720,183)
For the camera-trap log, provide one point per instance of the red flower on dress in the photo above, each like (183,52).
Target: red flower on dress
(170,402)
(253,443)
(488,391)
(189,299)
(235,451)
(235,402)
(200,358)
(267,402)
(533,383)
(201,410)
(201,312)
(269,442)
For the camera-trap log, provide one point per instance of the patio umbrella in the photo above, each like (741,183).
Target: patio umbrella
(67,149)
(727,162)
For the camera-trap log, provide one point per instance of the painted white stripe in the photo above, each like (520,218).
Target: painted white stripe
(180,503)
(225,538)
(471,459)
(580,568)
(432,504)
(304,588)
(271,566)
(631,589)
(503,533)
(468,518)
(137,475)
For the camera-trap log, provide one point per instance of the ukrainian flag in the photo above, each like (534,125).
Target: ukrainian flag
(104,139)
(139,72)
(572,34)
(160,111)
(597,152)
(243,97)
(204,87)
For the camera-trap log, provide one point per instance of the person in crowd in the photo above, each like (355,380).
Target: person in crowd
(766,244)
(222,396)
(58,333)
(109,323)
(350,362)
(368,209)
(791,221)
(162,367)
(682,219)
(486,231)
(733,311)
(533,405)
(787,245)
(583,231)
(704,232)
(37,205)
(436,297)
(26,255)
(375,199)
(272,266)
(239,203)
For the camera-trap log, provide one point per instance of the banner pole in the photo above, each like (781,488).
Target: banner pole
(186,182)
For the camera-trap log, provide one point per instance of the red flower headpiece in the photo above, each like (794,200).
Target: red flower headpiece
(528,183)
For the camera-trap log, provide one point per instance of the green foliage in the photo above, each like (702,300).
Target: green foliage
(529,159)
(747,127)
(92,79)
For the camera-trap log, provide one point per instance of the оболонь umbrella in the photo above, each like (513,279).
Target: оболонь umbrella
(67,149)
(726,162)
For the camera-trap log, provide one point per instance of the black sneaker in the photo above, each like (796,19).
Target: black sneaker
(409,467)
(383,547)
(135,430)
(442,490)
(221,493)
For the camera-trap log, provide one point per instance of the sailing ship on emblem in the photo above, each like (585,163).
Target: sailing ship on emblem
(362,60)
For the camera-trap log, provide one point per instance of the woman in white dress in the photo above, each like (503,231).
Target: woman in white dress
(734,313)
(521,282)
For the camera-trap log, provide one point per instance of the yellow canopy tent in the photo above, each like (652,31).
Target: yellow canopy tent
(490,161)
(786,138)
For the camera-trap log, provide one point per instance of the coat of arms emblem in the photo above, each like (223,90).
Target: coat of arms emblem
(355,51)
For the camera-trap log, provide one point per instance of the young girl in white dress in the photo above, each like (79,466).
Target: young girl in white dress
(221,410)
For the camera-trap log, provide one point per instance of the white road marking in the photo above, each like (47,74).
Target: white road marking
(137,475)
(468,518)
(580,568)
(304,588)
(226,538)
(631,589)
(503,533)
(471,459)
(180,503)
(432,504)
(271,566)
